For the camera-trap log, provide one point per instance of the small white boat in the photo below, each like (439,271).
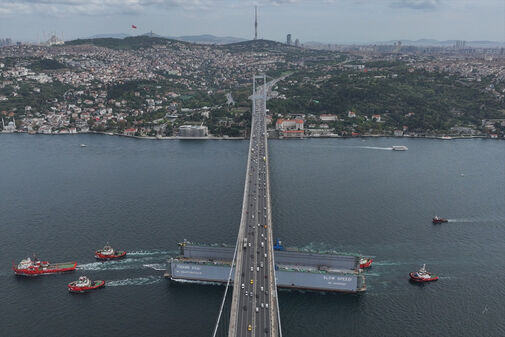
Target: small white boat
(399,148)
(83,145)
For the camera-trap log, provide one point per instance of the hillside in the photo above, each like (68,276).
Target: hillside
(134,42)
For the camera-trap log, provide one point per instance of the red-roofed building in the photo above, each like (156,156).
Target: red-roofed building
(290,127)
(130,132)
(289,124)
(351,114)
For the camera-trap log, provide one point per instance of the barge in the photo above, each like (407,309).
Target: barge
(294,269)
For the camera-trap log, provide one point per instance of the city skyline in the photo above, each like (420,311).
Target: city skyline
(335,21)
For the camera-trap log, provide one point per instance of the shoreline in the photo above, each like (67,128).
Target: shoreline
(244,138)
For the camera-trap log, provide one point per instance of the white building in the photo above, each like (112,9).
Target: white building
(328,117)
(193,131)
(10,127)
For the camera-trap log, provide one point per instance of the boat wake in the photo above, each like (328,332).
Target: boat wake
(375,148)
(381,148)
(479,220)
(460,220)
(156,266)
(387,263)
(149,252)
(137,281)
(372,274)
(124,264)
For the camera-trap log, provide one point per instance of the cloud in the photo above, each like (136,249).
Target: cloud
(417,4)
(97,7)
(132,7)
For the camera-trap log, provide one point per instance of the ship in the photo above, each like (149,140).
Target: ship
(365,262)
(422,275)
(35,267)
(437,220)
(108,253)
(294,269)
(84,284)
(399,148)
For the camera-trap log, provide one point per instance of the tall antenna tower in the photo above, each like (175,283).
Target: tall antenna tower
(255,22)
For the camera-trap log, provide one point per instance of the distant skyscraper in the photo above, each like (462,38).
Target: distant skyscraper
(288,40)
(255,22)
(297,43)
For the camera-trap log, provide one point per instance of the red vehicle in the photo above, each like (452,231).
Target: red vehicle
(422,275)
(29,267)
(365,262)
(437,220)
(107,253)
(84,284)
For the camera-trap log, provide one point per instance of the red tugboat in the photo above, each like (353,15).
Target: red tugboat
(107,253)
(422,275)
(437,220)
(84,284)
(29,267)
(365,262)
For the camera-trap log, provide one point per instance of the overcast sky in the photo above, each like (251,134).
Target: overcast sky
(309,20)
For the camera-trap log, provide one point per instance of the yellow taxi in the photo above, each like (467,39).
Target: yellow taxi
(249,328)
(252,282)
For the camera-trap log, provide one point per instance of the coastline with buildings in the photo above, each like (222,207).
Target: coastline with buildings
(157,88)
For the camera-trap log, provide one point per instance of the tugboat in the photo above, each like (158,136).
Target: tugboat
(84,284)
(437,220)
(365,262)
(107,253)
(34,267)
(422,275)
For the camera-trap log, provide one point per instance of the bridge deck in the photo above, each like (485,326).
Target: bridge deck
(255,314)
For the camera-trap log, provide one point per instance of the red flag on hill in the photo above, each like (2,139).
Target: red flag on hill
(134,27)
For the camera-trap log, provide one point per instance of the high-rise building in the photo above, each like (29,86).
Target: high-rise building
(5,42)
(297,43)
(288,40)
(255,22)
(460,44)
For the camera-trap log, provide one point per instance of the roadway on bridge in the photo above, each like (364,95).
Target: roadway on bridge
(254,293)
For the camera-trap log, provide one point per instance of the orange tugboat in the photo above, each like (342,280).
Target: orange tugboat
(108,253)
(34,267)
(84,284)
(365,262)
(422,275)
